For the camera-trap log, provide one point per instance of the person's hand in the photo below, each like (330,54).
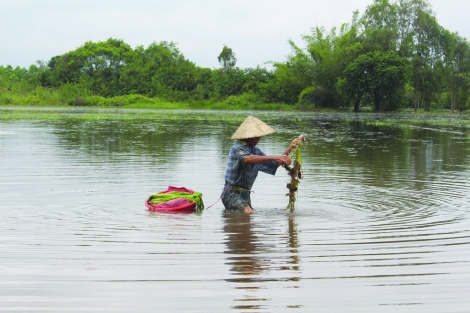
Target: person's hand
(294,143)
(297,140)
(283,160)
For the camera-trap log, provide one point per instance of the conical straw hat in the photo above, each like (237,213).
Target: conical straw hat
(252,127)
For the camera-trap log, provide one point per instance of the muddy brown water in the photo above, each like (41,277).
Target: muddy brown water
(382,220)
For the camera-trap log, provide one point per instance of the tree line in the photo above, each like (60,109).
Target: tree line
(396,55)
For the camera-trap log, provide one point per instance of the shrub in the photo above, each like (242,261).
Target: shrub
(243,101)
(307,98)
(317,97)
(114,101)
(78,102)
(95,100)
(128,99)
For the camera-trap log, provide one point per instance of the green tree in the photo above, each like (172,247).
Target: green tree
(285,85)
(227,58)
(408,12)
(457,61)
(381,14)
(161,69)
(427,53)
(383,40)
(100,64)
(393,25)
(317,69)
(380,75)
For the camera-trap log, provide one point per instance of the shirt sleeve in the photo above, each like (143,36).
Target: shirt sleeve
(240,152)
(267,167)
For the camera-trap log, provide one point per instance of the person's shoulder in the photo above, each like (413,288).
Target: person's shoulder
(240,148)
(238,145)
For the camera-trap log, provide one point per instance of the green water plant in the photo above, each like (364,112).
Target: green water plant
(295,173)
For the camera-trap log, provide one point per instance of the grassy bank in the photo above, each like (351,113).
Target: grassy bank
(136,112)
(73,96)
(72,102)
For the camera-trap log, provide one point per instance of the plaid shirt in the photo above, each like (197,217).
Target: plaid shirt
(243,175)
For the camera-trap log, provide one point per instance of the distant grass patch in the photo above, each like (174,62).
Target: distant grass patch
(413,118)
(139,101)
(218,111)
(93,113)
(383,123)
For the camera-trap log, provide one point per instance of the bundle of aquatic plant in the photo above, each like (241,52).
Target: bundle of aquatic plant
(195,197)
(294,172)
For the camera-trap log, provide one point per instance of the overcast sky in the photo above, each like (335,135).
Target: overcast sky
(256,30)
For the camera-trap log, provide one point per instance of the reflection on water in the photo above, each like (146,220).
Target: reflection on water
(381,225)
(251,257)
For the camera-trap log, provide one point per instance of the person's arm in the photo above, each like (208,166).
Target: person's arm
(259,159)
(293,144)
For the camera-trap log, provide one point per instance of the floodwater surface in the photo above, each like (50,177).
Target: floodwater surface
(381,224)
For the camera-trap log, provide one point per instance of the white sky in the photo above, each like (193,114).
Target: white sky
(256,30)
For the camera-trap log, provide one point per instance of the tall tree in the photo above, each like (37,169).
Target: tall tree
(322,63)
(428,51)
(398,19)
(227,58)
(99,63)
(408,12)
(381,75)
(457,61)
(160,69)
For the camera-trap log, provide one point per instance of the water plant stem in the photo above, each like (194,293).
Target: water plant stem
(295,171)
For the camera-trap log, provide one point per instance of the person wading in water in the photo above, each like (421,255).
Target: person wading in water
(245,160)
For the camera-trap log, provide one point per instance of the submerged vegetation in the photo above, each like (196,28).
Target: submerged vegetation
(401,119)
(394,56)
